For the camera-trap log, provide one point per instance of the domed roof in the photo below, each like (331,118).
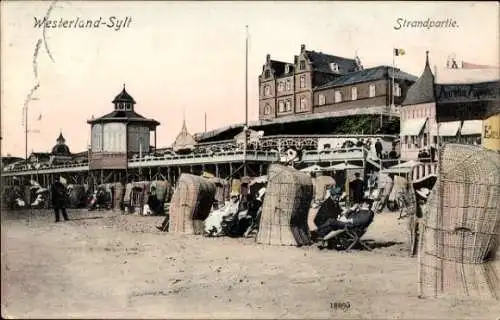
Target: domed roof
(61,149)
(123,97)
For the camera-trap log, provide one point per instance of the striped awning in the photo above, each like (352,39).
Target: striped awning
(413,127)
(449,129)
(471,127)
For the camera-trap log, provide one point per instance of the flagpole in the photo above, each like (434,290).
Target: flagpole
(246,104)
(392,91)
(26,134)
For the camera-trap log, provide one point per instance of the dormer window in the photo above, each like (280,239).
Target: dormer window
(128,106)
(302,65)
(287,69)
(397,90)
(120,106)
(267,74)
(334,67)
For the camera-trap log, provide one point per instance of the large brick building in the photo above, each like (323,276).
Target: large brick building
(319,82)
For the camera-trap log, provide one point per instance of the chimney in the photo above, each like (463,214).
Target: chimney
(295,59)
(302,48)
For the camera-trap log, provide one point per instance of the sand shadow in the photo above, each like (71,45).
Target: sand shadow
(381,244)
(85,218)
(371,244)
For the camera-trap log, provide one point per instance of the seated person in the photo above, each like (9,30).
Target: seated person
(154,204)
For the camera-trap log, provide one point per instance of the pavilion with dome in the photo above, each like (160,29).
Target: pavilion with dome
(116,136)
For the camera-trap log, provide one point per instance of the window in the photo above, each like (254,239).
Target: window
(354,93)
(288,105)
(302,65)
(406,140)
(129,106)
(281,106)
(280,86)
(120,106)
(267,74)
(334,67)
(267,90)
(372,90)
(321,99)
(425,139)
(288,85)
(287,69)
(303,104)
(338,96)
(267,109)
(302,81)
(413,114)
(435,139)
(396,90)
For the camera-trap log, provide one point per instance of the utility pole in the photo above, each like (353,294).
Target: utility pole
(245,128)
(26,133)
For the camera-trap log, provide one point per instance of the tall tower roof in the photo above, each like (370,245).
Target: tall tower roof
(422,91)
(124,97)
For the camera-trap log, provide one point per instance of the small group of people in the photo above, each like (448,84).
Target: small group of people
(427,154)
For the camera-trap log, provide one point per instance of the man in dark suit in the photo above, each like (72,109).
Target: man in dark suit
(59,199)
(356,191)
(378,148)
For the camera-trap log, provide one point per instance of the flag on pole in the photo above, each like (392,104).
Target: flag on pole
(399,52)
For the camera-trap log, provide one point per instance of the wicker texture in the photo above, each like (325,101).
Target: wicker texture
(191,204)
(77,195)
(321,184)
(462,225)
(400,186)
(220,188)
(284,213)
(118,194)
(162,188)
(139,195)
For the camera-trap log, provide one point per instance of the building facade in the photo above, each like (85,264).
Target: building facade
(119,134)
(460,111)
(319,82)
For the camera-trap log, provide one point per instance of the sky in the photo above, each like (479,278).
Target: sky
(189,57)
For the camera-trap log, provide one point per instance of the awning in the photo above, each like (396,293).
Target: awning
(449,129)
(343,166)
(472,127)
(413,127)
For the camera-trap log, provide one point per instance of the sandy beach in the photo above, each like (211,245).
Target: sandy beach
(105,265)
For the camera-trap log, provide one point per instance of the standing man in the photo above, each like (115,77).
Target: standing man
(356,189)
(59,197)
(378,148)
